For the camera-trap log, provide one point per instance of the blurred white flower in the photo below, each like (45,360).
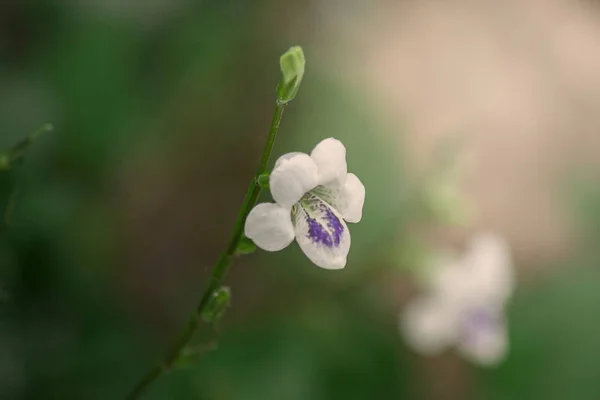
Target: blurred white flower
(314,195)
(463,304)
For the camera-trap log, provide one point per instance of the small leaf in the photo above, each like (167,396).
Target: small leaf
(245,246)
(16,154)
(263,181)
(191,354)
(217,305)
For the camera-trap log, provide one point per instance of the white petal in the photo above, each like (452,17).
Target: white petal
(483,275)
(484,339)
(347,199)
(293,175)
(330,157)
(355,197)
(321,233)
(490,268)
(270,226)
(429,325)
(450,280)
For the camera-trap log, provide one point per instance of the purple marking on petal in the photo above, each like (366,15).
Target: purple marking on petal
(334,224)
(477,321)
(330,237)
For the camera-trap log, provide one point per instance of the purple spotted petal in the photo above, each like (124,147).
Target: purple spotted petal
(484,338)
(479,321)
(321,232)
(328,230)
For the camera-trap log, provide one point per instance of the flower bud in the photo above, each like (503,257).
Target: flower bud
(292,65)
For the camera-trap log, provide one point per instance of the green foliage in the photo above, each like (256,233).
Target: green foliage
(15,155)
(554,341)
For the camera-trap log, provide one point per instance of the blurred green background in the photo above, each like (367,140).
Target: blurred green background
(160,111)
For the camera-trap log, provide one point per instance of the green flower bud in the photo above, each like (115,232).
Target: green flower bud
(292,65)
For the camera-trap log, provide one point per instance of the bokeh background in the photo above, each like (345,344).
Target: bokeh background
(161,109)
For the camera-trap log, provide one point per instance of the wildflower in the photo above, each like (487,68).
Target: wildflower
(464,304)
(315,196)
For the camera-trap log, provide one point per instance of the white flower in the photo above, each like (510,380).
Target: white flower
(464,304)
(314,196)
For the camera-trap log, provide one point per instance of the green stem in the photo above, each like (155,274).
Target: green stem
(219,270)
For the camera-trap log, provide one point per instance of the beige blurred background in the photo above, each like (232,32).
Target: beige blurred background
(518,81)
